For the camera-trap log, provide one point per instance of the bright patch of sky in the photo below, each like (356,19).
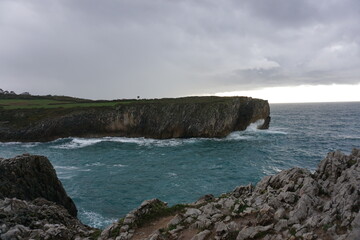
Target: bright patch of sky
(303,93)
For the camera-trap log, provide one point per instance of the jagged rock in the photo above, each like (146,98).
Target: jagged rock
(205,199)
(279,214)
(192,212)
(290,205)
(243,191)
(39,219)
(202,222)
(176,220)
(29,177)
(124,230)
(201,235)
(252,232)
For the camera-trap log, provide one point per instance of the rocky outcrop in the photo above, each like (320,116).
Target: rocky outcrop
(28,177)
(40,219)
(294,204)
(163,118)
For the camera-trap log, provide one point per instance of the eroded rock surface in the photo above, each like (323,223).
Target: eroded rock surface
(40,219)
(28,177)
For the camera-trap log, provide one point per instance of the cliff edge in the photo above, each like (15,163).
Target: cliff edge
(294,204)
(163,118)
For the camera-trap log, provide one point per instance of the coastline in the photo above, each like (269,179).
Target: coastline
(189,117)
(292,204)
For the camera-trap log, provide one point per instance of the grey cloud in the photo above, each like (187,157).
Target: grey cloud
(116,49)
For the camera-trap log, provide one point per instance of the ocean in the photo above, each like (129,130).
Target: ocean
(108,177)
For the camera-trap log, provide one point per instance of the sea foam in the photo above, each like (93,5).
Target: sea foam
(95,219)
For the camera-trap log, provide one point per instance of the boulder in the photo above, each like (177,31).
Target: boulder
(28,177)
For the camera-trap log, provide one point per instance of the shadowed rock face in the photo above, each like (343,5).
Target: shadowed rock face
(29,177)
(161,119)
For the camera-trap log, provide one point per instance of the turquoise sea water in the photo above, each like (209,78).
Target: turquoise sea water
(108,177)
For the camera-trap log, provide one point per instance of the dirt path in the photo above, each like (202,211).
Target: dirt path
(146,231)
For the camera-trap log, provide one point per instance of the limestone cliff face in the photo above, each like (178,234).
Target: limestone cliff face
(171,118)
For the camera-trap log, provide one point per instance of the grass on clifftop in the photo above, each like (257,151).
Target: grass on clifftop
(21,111)
(32,102)
(10,102)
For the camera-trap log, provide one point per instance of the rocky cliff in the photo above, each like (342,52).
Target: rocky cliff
(294,204)
(29,177)
(163,118)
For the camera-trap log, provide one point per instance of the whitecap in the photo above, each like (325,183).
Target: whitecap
(30,145)
(22,144)
(79,143)
(66,167)
(350,137)
(94,219)
(150,141)
(74,143)
(238,136)
(85,170)
(10,143)
(269,131)
(61,177)
(119,165)
(95,164)
(215,166)
(271,170)
(138,141)
(171,174)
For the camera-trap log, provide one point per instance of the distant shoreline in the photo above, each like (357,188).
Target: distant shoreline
(46,118)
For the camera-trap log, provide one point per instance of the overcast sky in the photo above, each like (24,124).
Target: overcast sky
(166,48)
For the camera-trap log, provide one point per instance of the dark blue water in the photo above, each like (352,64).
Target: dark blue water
(108,177)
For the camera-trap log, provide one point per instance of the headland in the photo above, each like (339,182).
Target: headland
(27,118)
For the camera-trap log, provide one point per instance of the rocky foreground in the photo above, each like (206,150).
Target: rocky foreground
(294,204)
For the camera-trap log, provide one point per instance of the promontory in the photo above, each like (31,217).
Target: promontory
(45,118)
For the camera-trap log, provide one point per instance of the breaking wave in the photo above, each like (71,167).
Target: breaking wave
(248,134)
(95,219)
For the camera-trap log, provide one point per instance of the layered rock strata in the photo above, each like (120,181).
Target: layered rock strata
(163,118)
(294,204)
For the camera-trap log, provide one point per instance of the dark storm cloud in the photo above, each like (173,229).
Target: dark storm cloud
(116,49)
